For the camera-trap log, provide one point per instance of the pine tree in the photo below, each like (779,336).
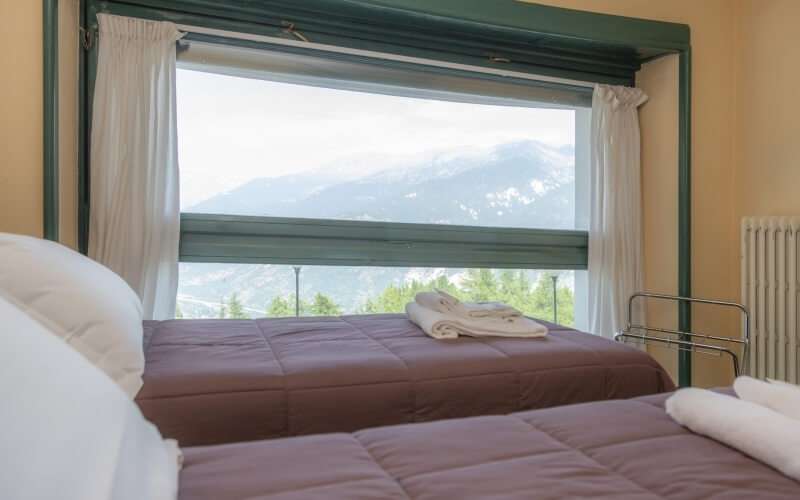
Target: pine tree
(279,308)
(442,283)
(324,306)
(236,308)
(480,285)
(566,306)
(305,307)
(543,301)
(223,308)
(394,298)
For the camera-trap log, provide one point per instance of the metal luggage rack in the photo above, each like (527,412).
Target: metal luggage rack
(689,341)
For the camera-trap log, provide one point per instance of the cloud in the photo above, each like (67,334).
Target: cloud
(239,129)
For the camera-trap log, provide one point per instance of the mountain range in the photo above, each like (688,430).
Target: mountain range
(518,184)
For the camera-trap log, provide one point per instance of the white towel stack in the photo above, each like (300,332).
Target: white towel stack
(443,302)
(443,316)
(764,422)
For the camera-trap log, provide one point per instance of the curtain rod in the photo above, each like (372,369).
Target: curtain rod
(381,55)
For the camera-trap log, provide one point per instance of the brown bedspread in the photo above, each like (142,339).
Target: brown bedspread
(625,449)
(219,381)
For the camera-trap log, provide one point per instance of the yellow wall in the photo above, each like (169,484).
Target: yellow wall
(767,146)
(744,125)
(659,194)
(21,117)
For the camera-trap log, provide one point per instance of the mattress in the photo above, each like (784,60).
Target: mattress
(611,449)
(220,381)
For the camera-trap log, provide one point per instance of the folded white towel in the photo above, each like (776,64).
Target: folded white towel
(443,302)
(781,397)
(763,434)
(434,302)
(444,326)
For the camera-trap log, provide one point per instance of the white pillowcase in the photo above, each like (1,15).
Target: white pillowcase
(84,303)
(66,430)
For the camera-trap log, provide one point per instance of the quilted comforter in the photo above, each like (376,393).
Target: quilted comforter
(624,449)
(219,381)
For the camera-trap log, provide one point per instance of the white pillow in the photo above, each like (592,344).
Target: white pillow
(86,304)
(778,396)
(66,430)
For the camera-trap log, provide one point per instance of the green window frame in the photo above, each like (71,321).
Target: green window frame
(277,240)
(536,39)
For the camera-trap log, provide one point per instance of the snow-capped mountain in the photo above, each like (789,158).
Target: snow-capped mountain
(519,184)
(522,184)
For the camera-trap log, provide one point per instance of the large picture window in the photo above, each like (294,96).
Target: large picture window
(284,136)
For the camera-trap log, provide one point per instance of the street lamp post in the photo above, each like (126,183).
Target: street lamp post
(297,290)
(554,277)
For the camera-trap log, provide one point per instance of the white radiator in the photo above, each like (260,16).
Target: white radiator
(770,291)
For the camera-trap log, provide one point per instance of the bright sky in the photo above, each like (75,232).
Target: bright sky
(234,129)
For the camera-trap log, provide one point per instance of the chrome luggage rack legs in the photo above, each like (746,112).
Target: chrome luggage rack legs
(685,341)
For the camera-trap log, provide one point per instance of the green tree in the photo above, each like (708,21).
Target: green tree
(511,287)
(236,308)
(178,312)
(283,308)
(279,308)
(515,290)
(394,298)
(442,283)
(324,306)
(543,301)
(305,307)
(480,285)
(223,308)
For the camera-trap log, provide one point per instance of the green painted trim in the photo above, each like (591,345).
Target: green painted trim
(88,74)
(83,142)
(537,39)
(530,17)
(503,19)
(684,211)
(277,240)
(50,118)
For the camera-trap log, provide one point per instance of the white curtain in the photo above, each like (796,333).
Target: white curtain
(616,258)
(134,217)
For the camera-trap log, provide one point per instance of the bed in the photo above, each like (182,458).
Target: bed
(609,449)
(221,381)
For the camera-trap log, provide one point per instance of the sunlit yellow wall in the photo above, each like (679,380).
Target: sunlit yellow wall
(659,199)
(767,146)
(21,117)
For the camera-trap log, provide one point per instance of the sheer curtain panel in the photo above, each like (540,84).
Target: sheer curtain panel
(616,258)
(134,218)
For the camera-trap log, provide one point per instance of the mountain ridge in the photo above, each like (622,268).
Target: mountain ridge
(516,184)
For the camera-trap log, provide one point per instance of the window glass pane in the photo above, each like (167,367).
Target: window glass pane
(259,290)
(256,147)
